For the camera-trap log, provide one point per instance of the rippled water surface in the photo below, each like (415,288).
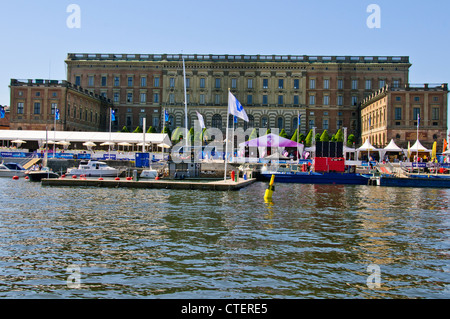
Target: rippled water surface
(313,241)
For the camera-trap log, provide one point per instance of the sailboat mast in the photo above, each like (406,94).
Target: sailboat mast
(185,104)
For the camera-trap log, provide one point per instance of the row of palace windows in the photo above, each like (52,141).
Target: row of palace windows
(130,81)
(280,99)
(368,84)
(217,122)
(234,83)
(37,108)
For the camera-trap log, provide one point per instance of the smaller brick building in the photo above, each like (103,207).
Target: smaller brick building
(393,113)
(34,103)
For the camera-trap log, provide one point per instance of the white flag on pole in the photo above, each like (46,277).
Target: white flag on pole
(235,108)
(200,119)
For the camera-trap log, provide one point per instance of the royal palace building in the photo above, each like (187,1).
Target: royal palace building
(274,89)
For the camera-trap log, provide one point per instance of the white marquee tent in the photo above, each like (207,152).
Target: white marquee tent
(74,136)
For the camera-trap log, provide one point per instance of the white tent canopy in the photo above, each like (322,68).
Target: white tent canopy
(74,136)
(367,147)
(392,147)
(418,147)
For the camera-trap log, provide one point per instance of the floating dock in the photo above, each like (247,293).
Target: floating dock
(217,185)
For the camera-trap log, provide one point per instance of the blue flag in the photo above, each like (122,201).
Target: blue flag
(57,114)
(418,120)
(2,112)
(299,119)
(235,119)
(166,116)
(113,115)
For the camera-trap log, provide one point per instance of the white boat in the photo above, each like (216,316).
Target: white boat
(149,173)
(11,169)
(94,168)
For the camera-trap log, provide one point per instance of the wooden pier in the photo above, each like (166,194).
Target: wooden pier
(216,185)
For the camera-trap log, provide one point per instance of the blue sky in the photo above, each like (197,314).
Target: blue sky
(36,39)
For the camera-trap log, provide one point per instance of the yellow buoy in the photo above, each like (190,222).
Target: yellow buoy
(270,189)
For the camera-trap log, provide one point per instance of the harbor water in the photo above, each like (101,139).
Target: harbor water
(312,241)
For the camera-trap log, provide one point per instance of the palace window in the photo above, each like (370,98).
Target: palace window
(20,108)
(265,83)
(143,81)
(202,83)
(37,108)
(398,113)
(435,113)
(296,84)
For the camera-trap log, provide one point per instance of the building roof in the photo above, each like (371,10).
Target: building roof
(235,58)
(74,136)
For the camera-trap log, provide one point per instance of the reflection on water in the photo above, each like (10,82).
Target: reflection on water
(312,241)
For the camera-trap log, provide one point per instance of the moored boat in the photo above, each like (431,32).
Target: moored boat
(317,178)
(416,180)
(12,169)
(323,171)
(95,169)
(38,175)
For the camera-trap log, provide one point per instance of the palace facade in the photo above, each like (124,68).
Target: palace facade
(274,89)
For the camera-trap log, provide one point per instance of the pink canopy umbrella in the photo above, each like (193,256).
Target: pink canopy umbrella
(272,140)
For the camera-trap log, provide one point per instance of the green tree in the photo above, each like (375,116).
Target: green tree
(308,139)
(333,138)
(151,129)
(125,129)
(283,133)
(339,136)
(176,135)
(350,140)
(294,137)
(301,138)
(253,134)
(138,130)
(191,134)
(268,131)
(317,137)
(324,137)
(166,130)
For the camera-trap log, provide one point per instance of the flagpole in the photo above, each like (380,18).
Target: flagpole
(226,138)
(109,144)
(417,143)
(164,127)
(298,133)
(185,104)
(54,136)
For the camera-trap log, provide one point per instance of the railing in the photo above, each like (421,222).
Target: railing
(236,58)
